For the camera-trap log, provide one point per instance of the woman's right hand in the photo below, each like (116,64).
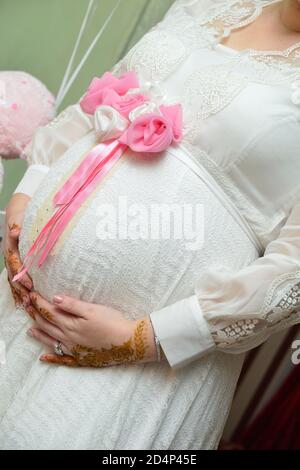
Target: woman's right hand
(14,219)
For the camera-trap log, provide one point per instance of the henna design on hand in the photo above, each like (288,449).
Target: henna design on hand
(41,310)
(16,295)
(14,226)
(13,262)
(131,351)
(19,299)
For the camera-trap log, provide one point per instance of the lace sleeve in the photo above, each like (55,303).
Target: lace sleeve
(244,308)
(236,311)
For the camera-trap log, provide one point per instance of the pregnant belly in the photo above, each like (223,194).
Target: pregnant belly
(140,241)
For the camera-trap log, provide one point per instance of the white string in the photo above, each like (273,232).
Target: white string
(86,55)
(71,61)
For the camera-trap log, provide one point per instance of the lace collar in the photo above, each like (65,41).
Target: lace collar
(218,18)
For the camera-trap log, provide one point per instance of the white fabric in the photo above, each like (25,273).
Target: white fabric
(50,142)
(183,332)
(241,125)
(109,123)
(238,310)
(31,180)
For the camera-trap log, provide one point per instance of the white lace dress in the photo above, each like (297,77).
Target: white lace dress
(241,126)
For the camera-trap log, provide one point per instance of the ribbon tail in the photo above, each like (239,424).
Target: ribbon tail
(71,196)
(77,201)
(83,171)
(38,243)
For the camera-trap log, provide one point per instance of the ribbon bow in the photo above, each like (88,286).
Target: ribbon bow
(123,117)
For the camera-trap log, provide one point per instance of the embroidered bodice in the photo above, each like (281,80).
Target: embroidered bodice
(241,126)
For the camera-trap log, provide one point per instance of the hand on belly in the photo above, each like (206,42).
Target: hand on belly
(90,335)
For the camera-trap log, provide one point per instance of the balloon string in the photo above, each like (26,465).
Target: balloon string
(86,55)
(76,46)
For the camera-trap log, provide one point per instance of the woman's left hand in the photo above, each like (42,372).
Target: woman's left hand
(90,335)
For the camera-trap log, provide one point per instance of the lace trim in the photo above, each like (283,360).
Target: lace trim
(234,333)
(210,89)
(184,30)
(218,21)
(282,297)
(281,309)
(232,15)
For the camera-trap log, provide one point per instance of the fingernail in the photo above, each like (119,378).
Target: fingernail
(57,299)
(43,358)
(29,332)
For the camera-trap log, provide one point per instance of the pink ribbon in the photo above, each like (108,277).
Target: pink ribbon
(70,197)
(149,132)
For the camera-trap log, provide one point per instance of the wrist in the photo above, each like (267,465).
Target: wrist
(153,352)
(156,353)
(143,339)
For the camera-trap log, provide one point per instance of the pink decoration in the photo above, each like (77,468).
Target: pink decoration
(154,132)
(123,104)
(25,104)
(149,132)
(110,90)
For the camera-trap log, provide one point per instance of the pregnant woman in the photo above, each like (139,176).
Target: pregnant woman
(164,325)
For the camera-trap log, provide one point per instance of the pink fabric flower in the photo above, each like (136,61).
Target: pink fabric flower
(97,93)
(123,104)
(153,132)
(174,114)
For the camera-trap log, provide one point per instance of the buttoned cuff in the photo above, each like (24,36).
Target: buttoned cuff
(183,332)
(32,179)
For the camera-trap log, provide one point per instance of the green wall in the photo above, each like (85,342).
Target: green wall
(37,36)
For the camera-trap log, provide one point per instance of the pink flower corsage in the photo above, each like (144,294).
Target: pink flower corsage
(150,127)
(124,116)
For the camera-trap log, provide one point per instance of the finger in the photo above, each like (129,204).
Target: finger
(23,293)
(41,336)
(15,221)
(49,328)
(12,260)
(69,361)
(20,294)
(45,308)
(71,305)
(12,252)
(15,294)
(25,279)
(31,311)
(49,311)
(14,263)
